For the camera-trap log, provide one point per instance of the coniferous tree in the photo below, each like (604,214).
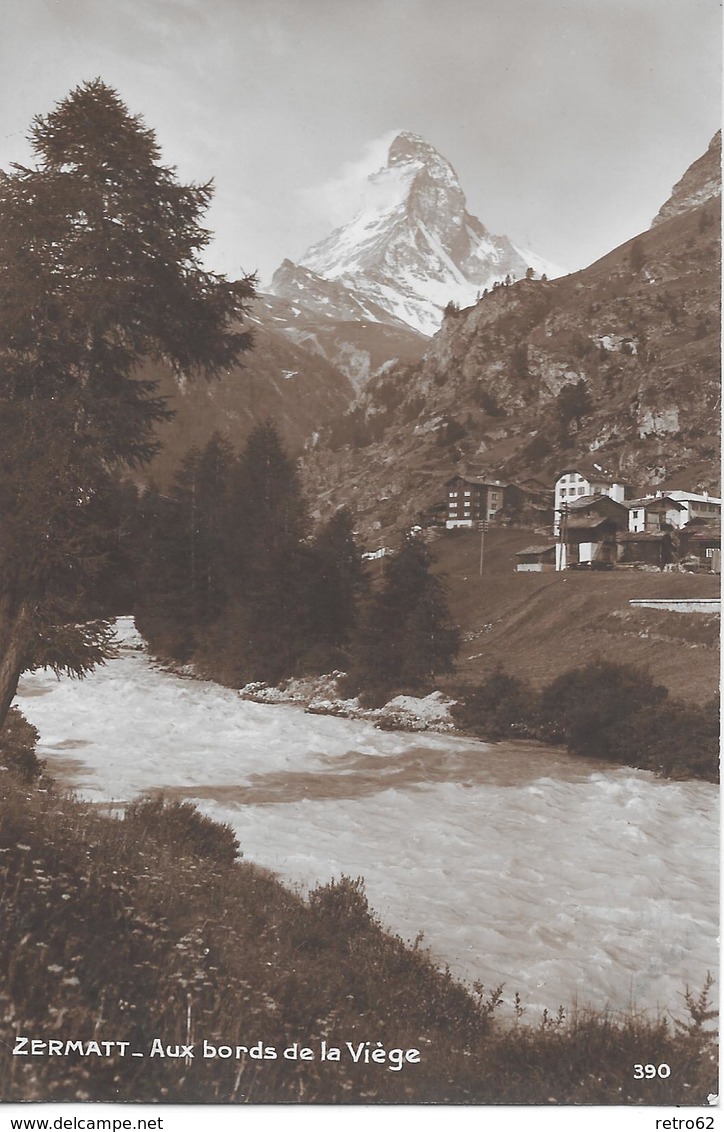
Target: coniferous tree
(99,272)
(214,525)
(116,514)
(338,585)
(161,606)
(182,585)
(407,637)
(269,563)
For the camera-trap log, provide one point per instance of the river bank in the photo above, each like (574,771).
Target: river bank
(147,965)
(565,879)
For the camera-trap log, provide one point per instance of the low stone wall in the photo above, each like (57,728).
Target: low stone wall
(678,605)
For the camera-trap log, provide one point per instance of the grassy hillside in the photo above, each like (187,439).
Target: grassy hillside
(539,625)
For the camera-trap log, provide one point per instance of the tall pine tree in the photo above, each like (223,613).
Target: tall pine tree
(407,638)
(100,270)
(270,561)
(184,560)
(337,588)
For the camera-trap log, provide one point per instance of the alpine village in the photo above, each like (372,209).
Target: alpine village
(421,483)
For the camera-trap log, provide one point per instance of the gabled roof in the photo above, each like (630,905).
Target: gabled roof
(651,500)
(694,497)
(703,534)
(585,501)
(581,523)
(537,549)
(643,536)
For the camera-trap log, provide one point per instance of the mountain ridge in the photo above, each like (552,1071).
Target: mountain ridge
(413,248)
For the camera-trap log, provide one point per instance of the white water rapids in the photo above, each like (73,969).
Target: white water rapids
(566,880)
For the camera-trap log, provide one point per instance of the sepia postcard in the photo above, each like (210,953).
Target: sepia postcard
(360,560)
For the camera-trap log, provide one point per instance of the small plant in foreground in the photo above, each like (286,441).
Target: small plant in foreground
(180,826)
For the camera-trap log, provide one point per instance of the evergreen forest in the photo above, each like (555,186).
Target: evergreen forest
(229,575)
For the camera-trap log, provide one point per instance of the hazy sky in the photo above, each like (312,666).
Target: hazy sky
(568,121)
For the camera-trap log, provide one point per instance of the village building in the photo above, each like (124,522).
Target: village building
(583,479)
(528,502)
(701,548)
(704,507)
(655,513)
(472,500)
(588,530)
(655,548)
(536,559)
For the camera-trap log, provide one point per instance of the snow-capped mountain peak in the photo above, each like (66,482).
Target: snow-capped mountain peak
(413,247)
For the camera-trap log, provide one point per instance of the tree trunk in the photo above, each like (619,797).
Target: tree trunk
(14,640)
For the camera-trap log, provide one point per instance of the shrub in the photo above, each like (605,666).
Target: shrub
(503,706)
(344,903)
(181,827)
(598,709)
(681,740)
(17,747)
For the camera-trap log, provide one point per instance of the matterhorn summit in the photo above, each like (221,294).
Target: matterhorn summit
(411,249)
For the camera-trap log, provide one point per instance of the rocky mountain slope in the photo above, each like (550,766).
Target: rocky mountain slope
(701,182)
(412,249)
(347,333)
(620,359)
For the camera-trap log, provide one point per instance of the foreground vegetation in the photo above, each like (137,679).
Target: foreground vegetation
(150,929)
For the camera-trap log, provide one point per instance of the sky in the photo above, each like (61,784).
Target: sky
(567,121)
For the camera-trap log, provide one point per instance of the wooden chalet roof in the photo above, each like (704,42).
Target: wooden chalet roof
(644,536)
(650,501)
(583,502)
(581,523)
(702,534)
(536,549)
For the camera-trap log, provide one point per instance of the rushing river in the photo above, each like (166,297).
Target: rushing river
(566,880)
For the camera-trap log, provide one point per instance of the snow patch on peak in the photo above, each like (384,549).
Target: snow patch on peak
(542,266)
(411,246)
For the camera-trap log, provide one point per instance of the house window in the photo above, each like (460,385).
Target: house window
(467,494)
(710,551)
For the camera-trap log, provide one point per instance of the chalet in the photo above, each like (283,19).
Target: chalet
(701,548)
(655,513)
(529,502)
(655,548)
(537,558)
(588,530)
(472,499)
(583,479)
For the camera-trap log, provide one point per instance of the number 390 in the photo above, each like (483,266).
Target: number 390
(651,1071)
